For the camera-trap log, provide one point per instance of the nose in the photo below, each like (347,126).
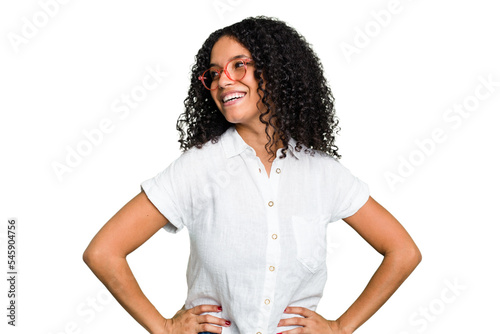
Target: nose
(224,80)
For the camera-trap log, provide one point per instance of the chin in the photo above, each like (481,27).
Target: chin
(231,117)
(234,120)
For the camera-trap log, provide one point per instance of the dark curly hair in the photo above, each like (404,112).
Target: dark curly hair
(302,102)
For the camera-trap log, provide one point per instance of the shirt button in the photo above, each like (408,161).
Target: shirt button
(267,301)
(259,170)
(271,203)
(278,170)
(275,236)
(271,268)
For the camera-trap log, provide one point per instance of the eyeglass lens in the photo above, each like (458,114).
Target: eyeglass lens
(236,70)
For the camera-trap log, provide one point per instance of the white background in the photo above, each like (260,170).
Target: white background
(396,90)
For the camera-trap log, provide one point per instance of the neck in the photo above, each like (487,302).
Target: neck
(257,138)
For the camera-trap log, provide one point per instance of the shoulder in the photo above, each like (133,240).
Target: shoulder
(200,157)
(326,167)
(317,159)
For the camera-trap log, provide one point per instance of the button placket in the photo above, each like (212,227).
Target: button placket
(269,190)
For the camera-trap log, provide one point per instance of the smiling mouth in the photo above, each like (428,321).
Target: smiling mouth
(231,98)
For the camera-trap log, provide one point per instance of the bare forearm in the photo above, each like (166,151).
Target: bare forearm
(394,269)
(116,275)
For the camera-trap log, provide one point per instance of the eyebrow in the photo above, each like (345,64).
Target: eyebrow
(233,58)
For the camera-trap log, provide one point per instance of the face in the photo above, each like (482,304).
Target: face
(243,109)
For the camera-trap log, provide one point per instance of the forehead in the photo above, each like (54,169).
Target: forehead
(225,49)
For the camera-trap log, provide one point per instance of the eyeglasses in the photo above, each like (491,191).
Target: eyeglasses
(235,70)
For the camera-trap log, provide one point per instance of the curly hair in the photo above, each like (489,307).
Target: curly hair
(291,85)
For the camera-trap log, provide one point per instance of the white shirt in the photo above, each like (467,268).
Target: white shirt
(257,243)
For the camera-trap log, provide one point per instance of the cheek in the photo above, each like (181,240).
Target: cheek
(255,95)
(252,87)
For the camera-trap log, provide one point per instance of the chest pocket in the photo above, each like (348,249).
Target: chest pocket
(310,237)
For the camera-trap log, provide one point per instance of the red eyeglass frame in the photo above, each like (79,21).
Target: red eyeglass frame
(219,71)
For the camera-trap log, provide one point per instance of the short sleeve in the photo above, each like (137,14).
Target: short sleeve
(165,191)
(350,193)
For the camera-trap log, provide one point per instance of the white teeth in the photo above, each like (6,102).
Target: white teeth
(232,96)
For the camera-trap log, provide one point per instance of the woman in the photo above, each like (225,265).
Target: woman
(256,186)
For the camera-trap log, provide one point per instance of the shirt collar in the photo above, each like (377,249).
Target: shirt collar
(233,144)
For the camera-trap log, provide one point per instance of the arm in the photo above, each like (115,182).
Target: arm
(384,233)
(106,256)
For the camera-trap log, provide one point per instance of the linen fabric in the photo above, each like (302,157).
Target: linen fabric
(257,242)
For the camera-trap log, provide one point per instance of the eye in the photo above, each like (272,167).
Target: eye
(239,63)
(214,73)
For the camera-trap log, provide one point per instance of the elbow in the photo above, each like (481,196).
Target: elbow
(411,257)
(414,257)
(407,258)
(100,259)
(87,256)
(91,256)
(418,255)
(414,253)
(97,262)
